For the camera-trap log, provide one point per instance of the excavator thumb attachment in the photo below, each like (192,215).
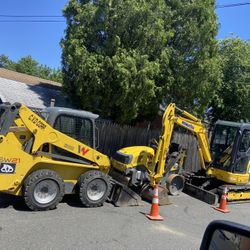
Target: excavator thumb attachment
(122,196)
(147,194)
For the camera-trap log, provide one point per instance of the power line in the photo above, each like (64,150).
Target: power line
(32,21)
(231,5)
(220,6)
(32,16)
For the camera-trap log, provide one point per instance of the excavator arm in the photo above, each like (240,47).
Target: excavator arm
(187,121)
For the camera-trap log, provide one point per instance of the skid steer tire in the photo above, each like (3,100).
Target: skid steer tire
(94,188)
(43,190)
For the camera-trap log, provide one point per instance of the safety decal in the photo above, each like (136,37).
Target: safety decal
(7,168)
(82,150)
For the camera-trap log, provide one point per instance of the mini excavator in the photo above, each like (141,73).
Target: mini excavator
(225,161)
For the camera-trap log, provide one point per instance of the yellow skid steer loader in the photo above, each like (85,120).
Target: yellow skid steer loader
(43,158)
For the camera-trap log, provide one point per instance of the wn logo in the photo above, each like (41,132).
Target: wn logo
(82,150)
(7,168)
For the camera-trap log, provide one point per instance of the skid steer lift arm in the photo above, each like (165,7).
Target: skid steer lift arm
(43,133)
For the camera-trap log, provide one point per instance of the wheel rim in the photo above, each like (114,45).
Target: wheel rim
(96,189)
(46,191)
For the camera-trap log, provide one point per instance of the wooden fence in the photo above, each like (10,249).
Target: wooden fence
(113,137)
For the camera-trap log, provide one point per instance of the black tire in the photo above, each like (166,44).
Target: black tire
(89,183)
(36,187)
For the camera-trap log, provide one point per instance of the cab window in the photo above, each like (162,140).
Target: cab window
(78,128)
(223,138)
(245,141)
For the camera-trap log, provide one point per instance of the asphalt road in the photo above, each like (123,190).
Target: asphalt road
(71,226)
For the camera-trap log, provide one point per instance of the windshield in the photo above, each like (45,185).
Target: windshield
(222,144)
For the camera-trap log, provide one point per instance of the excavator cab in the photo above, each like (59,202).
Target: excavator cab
(230,148)
(230,165)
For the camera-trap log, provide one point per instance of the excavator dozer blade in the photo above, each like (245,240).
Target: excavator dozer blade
(201,194)
(147,194)
(122,196)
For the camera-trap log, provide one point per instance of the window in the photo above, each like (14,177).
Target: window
(222,145)
(224,135)
(245,141)
(78,128)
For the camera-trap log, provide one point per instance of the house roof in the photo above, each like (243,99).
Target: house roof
(20,77)
(29,90)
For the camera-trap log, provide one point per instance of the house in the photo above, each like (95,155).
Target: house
(30,90)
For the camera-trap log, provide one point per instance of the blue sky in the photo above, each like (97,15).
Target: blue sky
(41,40)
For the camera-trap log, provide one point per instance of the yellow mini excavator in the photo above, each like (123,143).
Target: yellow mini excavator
(226,161)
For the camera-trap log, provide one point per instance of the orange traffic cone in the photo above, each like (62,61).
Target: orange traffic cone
(154,213)
(223,202)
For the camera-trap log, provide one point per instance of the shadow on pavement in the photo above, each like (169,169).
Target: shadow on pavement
(17,202)
(72,200)
(7,200)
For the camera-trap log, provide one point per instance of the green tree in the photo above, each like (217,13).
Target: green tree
(232,100)
(5,62)
(123,58)
(194,61)
(27,65)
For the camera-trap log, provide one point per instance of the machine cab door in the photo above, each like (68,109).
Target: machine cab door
(223,145)
(242,159)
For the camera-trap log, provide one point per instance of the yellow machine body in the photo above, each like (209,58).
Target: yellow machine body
(226,173)
(30,126)
(140,155)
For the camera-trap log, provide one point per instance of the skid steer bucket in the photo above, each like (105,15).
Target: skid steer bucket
(122,196)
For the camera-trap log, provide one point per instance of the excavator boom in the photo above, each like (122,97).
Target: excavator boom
(187,121)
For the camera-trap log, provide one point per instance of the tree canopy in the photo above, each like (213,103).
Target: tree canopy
(232,99)
(28,65)
(123,58)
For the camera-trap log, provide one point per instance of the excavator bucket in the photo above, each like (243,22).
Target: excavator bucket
(147,194)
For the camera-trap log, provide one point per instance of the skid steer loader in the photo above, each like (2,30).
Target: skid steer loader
(44,157)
